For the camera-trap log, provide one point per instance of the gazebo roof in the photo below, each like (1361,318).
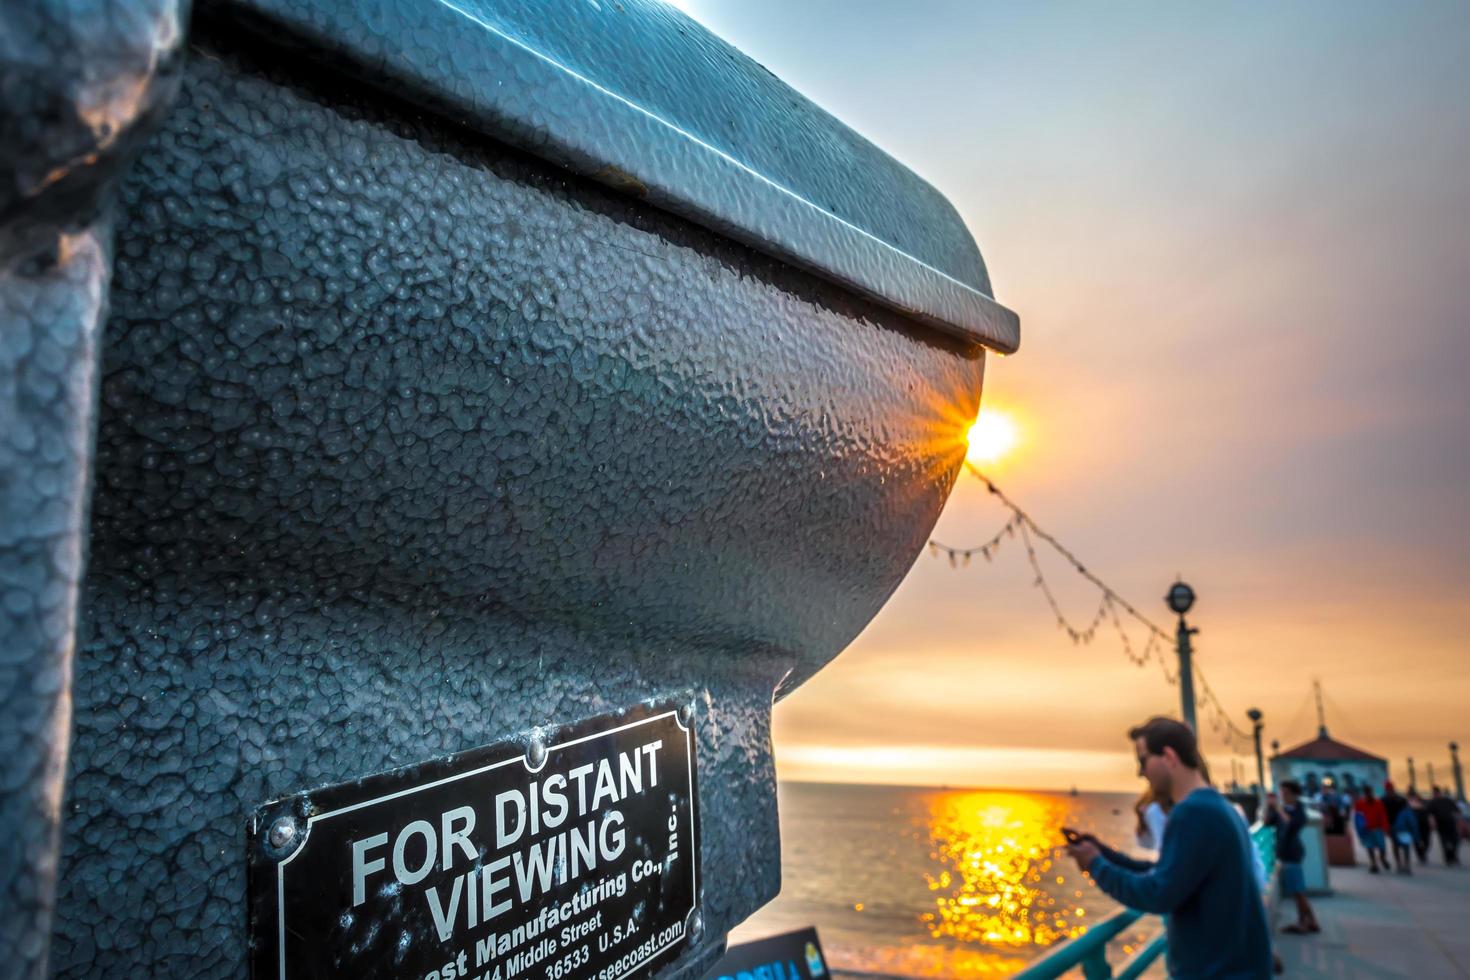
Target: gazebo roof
(1324,748)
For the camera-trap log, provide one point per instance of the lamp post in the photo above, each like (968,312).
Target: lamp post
(1254,715)
(1459,776)
(1275,751)
(1180,599)
(1413,786)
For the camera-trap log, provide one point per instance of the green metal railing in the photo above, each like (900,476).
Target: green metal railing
(1264,838)
(1089,951)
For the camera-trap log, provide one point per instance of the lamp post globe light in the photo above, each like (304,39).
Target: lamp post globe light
(1181,599)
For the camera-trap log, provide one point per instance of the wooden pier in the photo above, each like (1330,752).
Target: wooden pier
(1385,925)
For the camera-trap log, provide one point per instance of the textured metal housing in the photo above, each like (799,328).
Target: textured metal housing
(408,440)
(638,96)
(80,87)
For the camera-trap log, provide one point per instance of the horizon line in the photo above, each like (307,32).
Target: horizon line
(1065,791)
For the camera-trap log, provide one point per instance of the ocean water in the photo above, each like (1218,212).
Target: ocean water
(938,882)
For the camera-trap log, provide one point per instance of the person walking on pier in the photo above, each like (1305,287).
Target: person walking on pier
(1289,816)
(1422,825)
(1394,807)
(1372,824)
(1203,880)
(1447,824)
(1406,838)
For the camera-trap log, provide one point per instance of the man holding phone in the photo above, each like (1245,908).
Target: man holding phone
(1204,879)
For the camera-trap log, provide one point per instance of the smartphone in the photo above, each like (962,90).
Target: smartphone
(1071,835)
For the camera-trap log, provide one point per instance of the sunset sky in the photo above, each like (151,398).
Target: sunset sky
(1238,238)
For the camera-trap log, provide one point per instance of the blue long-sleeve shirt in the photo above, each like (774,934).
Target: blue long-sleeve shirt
(1205,882)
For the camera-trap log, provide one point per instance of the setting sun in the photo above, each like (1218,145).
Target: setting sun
(992,436)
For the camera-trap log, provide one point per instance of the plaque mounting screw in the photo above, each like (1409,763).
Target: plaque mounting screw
(282,833)
(536,752)
(686,711)
(696,926)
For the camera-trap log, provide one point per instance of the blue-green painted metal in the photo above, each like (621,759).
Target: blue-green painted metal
(1144,957)
(1088,951)
(352,417)
(1263,838)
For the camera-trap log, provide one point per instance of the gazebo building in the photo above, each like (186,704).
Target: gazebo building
(1324,758)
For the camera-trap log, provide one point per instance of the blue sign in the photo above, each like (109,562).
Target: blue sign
(789,956)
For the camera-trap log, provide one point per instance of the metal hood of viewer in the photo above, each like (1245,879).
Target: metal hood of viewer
(636,95)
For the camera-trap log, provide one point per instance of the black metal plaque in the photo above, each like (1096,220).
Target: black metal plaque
(565,856)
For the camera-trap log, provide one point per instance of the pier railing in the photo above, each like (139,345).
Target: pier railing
(1089,951)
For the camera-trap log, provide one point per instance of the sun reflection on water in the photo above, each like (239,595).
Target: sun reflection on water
(940,884)
(998,880)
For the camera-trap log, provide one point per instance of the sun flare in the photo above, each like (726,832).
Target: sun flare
(992,436)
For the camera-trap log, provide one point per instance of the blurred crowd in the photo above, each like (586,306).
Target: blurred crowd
(1408,823)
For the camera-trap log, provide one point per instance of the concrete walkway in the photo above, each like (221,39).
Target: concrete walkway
(1385,925)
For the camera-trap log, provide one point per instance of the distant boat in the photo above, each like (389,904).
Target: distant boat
(1074,790)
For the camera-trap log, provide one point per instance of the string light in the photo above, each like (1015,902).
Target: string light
(958,556)
(1109,605)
